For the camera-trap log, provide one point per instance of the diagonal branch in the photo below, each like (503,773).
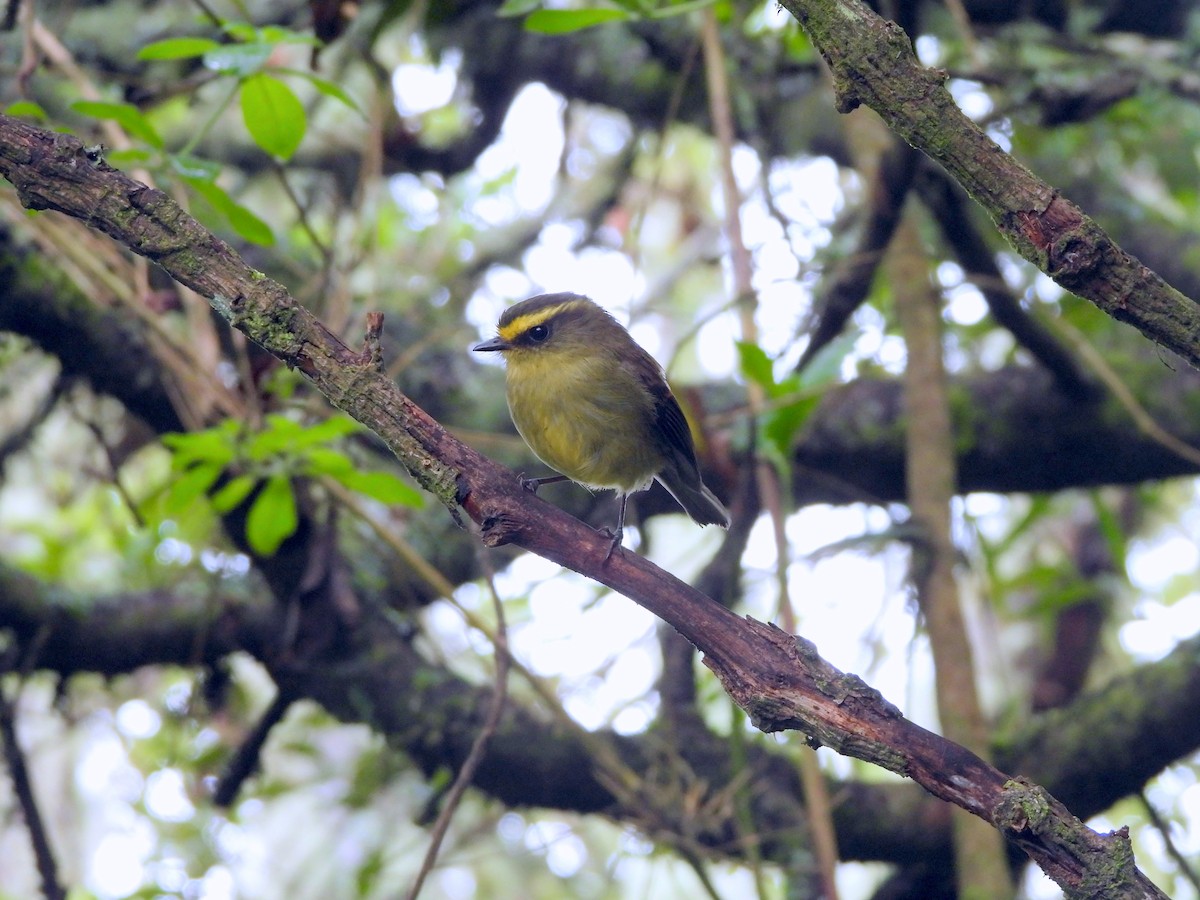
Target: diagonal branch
(52,887)
(874,65)
(777,678)
(949,207)
(846,287)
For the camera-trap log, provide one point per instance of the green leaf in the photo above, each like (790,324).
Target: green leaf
(177,48)
(282,435)
(636,8)
(26,108)
(245,223)
(272,517)
(242,60)
(382,486)
(678,9)
(249,226)
(367,876)
(756,366)
(126,115)
(510,8)
(826,366)
(278,434)
(326,87)
(240,31)
(781,426)
(274,116)
(215,445)
(194,167)
(327,461)
(233,493)
(323,432)
(564,21)
(131,156)
(192,484)
(277,34)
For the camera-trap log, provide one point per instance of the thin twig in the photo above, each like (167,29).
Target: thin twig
(479,747)
(1164,829)
(618,775)
(23,787)
(769,483)
(949,207)
(1145,422)
(114,471)
(245,761)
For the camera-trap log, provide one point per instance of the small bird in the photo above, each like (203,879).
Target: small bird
(595,406)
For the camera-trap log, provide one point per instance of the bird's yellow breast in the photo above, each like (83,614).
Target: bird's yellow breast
(585,416)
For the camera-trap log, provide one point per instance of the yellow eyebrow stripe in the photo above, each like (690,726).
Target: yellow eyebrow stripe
(521,324)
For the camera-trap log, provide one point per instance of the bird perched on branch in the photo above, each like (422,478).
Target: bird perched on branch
(595,406)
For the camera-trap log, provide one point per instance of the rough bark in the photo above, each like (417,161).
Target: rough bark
(777,678)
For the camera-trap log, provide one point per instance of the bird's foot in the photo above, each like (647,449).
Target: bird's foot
(615,537)
(532,484)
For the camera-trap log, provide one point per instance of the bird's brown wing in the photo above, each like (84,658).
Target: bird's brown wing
(676,434)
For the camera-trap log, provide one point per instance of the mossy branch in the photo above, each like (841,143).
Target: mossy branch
(873,65)
(777,678)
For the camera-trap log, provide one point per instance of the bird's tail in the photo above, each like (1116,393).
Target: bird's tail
(696,499)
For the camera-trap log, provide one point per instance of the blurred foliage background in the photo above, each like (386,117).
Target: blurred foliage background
(243,656)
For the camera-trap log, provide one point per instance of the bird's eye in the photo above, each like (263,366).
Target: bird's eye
(539,333)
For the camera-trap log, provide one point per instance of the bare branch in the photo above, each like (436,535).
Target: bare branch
(52,888)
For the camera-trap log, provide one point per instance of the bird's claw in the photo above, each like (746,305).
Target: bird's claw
(615,537)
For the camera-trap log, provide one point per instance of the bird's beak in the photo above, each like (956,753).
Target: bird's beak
(496,343)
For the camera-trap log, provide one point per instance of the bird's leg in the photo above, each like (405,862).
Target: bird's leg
(532,484)
(617,535)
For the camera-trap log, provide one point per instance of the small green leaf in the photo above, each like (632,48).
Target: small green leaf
(276,34)
(233,493)
(325,86)
(282,435)
(194,167)
(126,115)
(510,8)
(241,220)
(780,426)
(678,9)
(826,366)
(276,436)
(177,48)
(323,432)
(564,21)
(131,156)
(240,31)
(367,876)
(272,517)
(26,108)
(242,60)
(636,8)
(756,365)
(326,461)
(274,116)
(249,226)
(382,486)
(213,445)
(192,484)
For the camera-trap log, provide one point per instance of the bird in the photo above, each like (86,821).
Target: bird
(595,407)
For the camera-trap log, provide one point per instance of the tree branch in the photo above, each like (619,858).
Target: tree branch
(435,717)
(52,887)
(874,65)
(778,679)
(981,870)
